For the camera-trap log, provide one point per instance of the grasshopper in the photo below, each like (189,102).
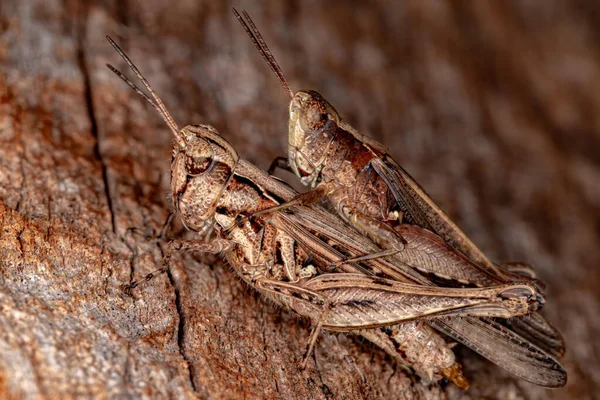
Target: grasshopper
(288,263)
(377,196)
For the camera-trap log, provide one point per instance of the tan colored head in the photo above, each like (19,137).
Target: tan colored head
(313,121)
(202,164)
(313,125)
(200,171)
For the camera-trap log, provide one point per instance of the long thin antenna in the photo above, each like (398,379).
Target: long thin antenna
(158,104)
(134,87)
(263,49)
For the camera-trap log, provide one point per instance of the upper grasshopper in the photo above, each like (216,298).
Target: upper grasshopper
(378,197)
(287,261)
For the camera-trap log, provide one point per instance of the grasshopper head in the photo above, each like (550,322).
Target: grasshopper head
(313,121)
(202,164)
(313,126)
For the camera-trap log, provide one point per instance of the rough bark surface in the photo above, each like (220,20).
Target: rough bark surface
(492,105)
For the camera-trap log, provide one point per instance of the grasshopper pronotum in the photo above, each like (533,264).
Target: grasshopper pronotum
(286,255)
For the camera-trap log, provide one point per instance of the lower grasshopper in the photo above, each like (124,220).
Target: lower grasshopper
(287,262)
(378,197)
(487,337)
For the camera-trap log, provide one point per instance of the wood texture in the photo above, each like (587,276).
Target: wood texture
(492,106)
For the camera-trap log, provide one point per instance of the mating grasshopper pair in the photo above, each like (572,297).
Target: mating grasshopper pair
(367,280)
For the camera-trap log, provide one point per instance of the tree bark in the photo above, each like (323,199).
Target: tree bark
(492,106)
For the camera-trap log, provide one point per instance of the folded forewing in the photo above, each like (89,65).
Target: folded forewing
(359,301)
(506,349)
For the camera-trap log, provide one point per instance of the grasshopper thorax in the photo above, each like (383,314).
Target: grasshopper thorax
(201,168)
(313,125)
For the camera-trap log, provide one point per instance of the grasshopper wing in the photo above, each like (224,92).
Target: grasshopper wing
(506,349)
(360,301)
(537,330)
(413,200)
(485,336)
(432,256)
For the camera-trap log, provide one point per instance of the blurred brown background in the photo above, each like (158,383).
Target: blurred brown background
(491,105)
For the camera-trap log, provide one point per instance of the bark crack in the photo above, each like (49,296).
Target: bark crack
(394,368)
(181,329)
(89,101)
(20,240)
(134,254)
(22,185)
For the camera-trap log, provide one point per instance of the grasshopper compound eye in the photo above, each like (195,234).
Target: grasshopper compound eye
(313,111)
(198,158)
(313,115)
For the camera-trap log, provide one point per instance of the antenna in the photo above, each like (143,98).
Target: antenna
(134,87)
(263,49)
(157,103)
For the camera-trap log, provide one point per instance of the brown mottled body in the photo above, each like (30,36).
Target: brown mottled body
(355,186)
(325,151)
(374,194)
(259,247)
(212,187)
(266,257)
